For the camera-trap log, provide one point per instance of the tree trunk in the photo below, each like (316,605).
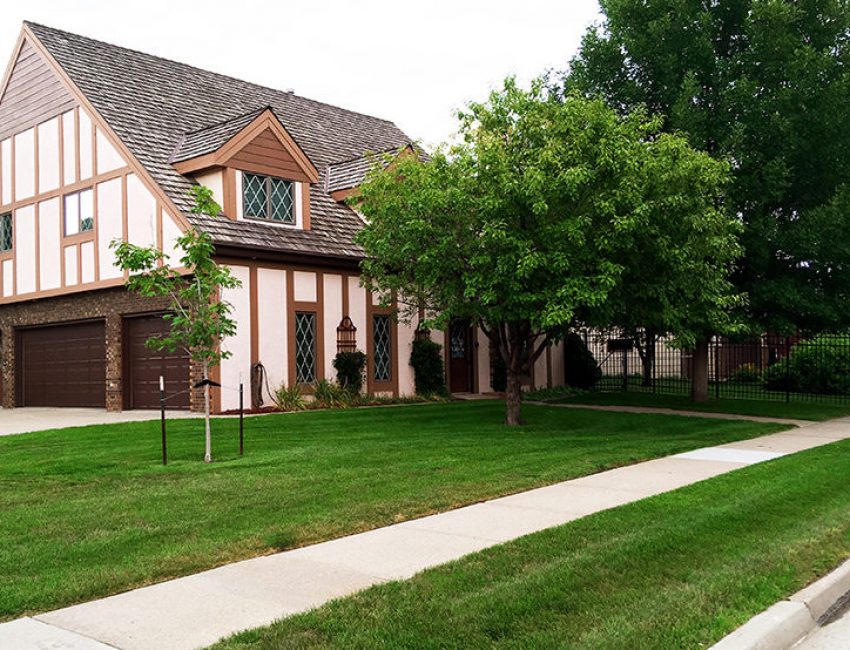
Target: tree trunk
(513,399)
(699,378)
(207,436)
(648,358)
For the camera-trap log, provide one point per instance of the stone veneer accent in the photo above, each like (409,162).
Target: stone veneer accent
(108,304)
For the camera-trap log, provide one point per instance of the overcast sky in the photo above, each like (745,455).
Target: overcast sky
(410,62)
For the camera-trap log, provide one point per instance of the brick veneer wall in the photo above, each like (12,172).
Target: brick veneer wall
(108,304)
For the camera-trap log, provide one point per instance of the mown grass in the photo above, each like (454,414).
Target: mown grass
(679,570)
(88,512)
(798,410)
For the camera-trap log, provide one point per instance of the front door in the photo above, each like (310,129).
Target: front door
(460,357)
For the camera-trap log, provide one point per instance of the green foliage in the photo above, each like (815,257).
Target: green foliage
(350,368)
(328,394)
(747,373)
(580,367)
(815,366)
(764,84)
(199,321)
(535,218)
(554,394)
(426,357)
(289,398)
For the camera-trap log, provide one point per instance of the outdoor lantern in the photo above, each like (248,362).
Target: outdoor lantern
(346,336)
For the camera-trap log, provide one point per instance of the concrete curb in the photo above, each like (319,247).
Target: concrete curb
(784,624)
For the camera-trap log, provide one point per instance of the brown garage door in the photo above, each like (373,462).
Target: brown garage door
(143,367)
(61,365)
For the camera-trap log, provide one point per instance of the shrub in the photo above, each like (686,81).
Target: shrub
(580,367)
(815,366)
(747,373)
(289,399)
(350,368)
(331,395)
(427,361)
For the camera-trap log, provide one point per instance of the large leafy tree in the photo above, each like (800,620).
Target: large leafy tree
(199,320)
(529,224)
(764,84)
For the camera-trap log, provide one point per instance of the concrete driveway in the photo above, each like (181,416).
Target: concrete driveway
(24,420)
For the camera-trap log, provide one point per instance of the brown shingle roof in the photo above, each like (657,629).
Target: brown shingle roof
(154,105)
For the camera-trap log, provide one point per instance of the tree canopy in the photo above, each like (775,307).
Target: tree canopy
(535,220)
(763,84)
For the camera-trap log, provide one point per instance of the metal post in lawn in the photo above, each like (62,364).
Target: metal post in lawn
(241,416)
(162,417)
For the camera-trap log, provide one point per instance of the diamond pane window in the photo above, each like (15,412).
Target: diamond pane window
(264,197)
(79,212)
(282,201)
(254,196)
(381,342)
(5,232)
(305,347)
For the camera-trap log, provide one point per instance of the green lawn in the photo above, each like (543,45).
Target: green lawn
(776,409)
(88,512)
(679,570)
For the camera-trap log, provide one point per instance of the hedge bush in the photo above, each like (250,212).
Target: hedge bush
(426,357)
(350,368)
(815,366)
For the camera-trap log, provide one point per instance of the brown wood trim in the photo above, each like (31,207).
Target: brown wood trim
(290,329)
(346,296)
(16,52)
(97,120)
(341,195)
(254,303)
(305,206)
(65,189)
(320,325)
(229,192)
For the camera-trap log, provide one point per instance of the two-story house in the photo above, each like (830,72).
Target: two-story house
(99,143)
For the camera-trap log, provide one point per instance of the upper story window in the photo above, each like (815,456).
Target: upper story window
(5,232)
(79,212)
(268,198)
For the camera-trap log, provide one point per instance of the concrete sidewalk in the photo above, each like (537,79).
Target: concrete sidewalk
(35,418)
(195,611)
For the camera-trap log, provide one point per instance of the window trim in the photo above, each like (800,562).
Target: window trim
(4,252)
(80,234)
(389,378)
(315,346)
(267,184)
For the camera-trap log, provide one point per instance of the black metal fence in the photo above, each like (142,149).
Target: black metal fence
(799,368)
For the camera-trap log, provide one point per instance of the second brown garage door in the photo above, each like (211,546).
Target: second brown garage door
(61,365)
(143,367)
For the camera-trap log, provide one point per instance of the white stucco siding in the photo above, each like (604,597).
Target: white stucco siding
(272,327)
(404,341)
(108,158)
(304,286)
(141,213)
(8,278)
(357,311)
(69,148)
(6,171)
(333,315)
(109,227)
(556,354)
(239,345)
(25,164)
(171,232)
(49,245)
(87,262)
(25,246)
(48,155)
(86,157)
(214,180)
(541,373)
(70,265)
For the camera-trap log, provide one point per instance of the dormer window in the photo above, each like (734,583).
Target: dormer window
(268,198)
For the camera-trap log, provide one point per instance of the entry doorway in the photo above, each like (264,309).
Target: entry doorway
(461,356)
